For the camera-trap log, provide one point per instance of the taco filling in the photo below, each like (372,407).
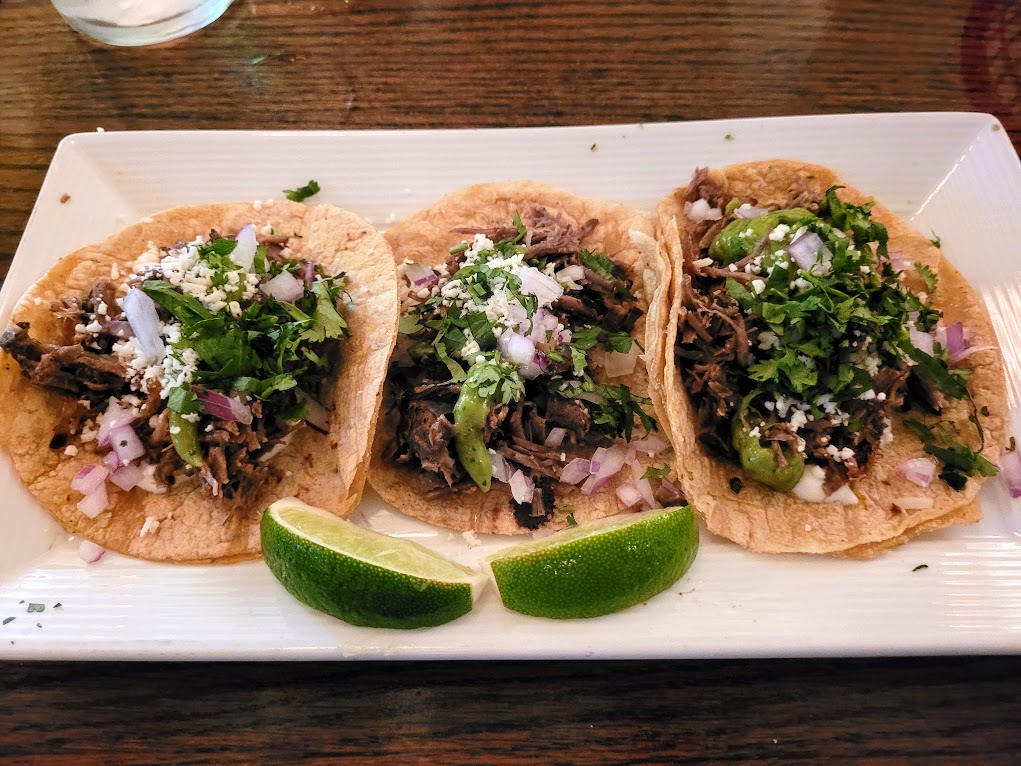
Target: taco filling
(200,363)
(497,362)
(801,337)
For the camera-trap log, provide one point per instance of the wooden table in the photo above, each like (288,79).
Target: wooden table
(449,63)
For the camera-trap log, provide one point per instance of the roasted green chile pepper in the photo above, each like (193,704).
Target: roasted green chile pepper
(730,247)
(470,412)
(759,462)
(185,436)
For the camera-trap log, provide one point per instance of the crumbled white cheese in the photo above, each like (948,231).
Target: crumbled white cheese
(768,339)
(149,527)
(758,286)
(70,450)
(702,263)
(778,233)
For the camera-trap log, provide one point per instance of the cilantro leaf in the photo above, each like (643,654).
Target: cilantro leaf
(181,399)
(481,330)
(855,219)
(409,324)
(302,193)
(652,472)
(187,308)
(326,320)
(959,460)
(604,267)
(928,276)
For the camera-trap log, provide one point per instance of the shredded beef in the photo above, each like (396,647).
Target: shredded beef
(429,433)
(420,404)
(82,373)
(715,336)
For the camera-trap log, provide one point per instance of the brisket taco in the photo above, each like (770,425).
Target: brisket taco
(830,382)
(516,398)
(162,387)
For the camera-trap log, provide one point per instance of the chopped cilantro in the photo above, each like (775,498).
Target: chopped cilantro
(604,267)
(959,460)
(570,520)
(928,276)
(304,192)
(409,324)
(58,604)
(652,472)
(458,248)
(8,619)
(936,241)
(36,608)
(728,137)
(855,219)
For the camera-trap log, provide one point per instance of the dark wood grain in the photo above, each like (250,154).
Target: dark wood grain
(453,63)
(932,711)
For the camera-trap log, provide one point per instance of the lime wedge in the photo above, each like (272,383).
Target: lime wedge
(360,576)
(598,568)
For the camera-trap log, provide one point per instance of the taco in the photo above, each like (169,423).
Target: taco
(830,382)
(162,387)
(517,394)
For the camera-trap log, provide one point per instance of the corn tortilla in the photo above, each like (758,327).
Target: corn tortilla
(763,520)
(327,470)
(426,238)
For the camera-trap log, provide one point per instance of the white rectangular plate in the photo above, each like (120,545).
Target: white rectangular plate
(954,174)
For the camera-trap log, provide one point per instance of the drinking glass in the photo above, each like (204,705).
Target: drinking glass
(138,22)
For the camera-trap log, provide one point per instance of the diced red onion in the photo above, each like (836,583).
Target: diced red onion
(284,287)
(127,476)
(534,282)
(521,487)
(923,341)
(126,444)
(244,251)
(804,251)
(699,210)
(308,273)
(114,417)
(899,262)
(111,461)
(643,485)
(956,344)
(1010,470)
(919,470)
(419,275)
(575,471)
(593,484)
(224,407)
(913,503)
(650,445)
(628,495)
(571,275)
(89,479)
(89,552)
(516,348)
(501,471)
(609,460)
(95,502)
(749,211)
(616,364)
(555,438)
(140,311)
(543,323)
